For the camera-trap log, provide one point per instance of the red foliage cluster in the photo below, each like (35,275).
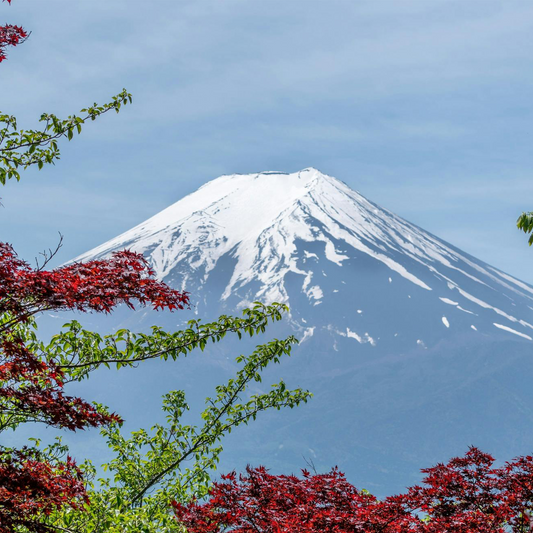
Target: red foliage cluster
(30,486)
(10,35)
(31,389)
(95,285)
(260,502)
(467,495)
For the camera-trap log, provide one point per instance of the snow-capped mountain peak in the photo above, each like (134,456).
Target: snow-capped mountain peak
(266,224)
(234,212)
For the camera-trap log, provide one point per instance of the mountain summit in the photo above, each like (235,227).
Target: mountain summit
(414,350)
(267,223)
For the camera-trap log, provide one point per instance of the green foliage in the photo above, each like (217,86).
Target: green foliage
(24,148)
(172,461)
(78,352)
(525,223)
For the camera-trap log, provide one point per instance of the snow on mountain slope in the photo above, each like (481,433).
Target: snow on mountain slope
(262,221)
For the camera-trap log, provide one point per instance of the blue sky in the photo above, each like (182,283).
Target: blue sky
(422,106)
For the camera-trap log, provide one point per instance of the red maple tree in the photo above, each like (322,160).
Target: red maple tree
(10,35)
(31,389)
(31,486)
(466,495)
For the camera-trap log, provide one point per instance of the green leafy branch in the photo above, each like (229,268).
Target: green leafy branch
(525,223)
(78,352)
(174,461)
(20,149)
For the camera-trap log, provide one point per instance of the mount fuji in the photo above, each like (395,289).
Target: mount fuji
(413,349)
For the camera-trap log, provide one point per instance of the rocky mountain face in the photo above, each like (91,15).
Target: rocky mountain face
(414,350)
